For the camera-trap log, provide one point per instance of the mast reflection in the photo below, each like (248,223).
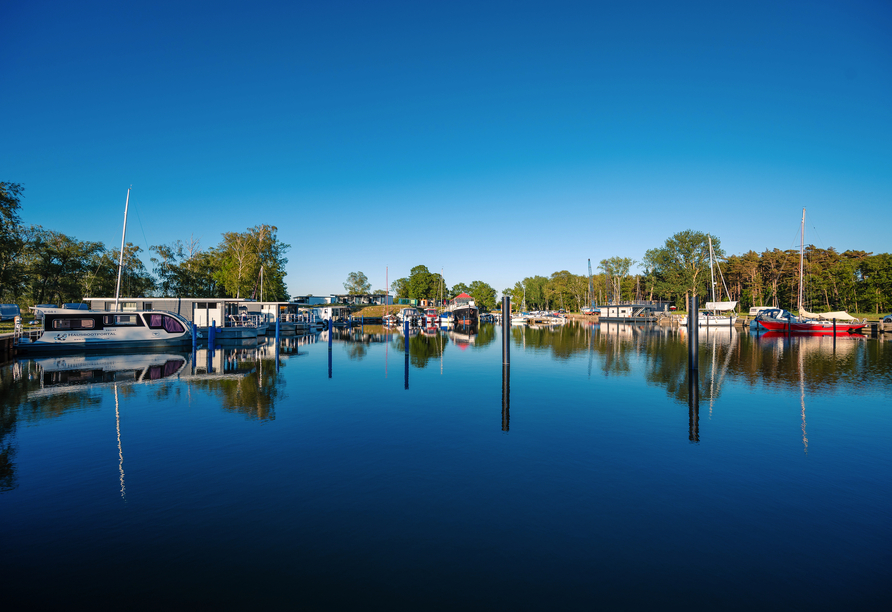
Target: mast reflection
(120,449)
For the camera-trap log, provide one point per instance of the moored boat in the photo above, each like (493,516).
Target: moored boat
(431,317)
(782,321)
(81,330)
(813,323)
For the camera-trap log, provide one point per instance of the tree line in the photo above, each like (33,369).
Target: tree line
(422,284)
(856,281)
(39,265)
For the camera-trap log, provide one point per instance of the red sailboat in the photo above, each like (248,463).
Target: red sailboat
(824,323)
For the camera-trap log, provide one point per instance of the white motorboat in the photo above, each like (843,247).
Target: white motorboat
(80,330)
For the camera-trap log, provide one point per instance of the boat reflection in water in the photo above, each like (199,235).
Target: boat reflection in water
(463,335)
(72,372)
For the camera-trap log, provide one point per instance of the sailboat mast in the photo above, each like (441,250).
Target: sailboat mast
(121,258)
(711,272)
(801,258)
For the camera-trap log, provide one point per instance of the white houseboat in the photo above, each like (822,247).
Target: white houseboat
(80,330)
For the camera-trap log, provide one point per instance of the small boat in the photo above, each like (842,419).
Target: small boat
(825,323)
(782,321)
(464,310)
(81,330)
(446,320)
(710,315)
(431,317)
(408,314)
(520,318)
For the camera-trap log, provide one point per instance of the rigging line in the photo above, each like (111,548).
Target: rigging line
(93,275)
(819,237)
(136,208)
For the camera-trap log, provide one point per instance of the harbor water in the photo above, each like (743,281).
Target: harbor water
(584,476)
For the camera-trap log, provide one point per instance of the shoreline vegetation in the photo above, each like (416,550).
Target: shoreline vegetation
(39,265)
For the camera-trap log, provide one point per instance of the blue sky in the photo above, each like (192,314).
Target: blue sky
(492,140)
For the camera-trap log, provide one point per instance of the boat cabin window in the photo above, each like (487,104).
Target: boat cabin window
(74,324)
(168,324)
(125,306)
(146,305)
(128,319)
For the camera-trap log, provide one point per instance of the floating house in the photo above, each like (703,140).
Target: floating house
(201,311)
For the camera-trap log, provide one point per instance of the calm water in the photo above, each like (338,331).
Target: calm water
(363,478)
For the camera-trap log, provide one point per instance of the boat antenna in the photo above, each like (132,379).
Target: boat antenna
(121,258)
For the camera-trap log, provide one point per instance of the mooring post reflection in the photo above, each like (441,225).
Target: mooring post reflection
(693,333)
(329,363)
(407,368)
(694,405)
(506,396)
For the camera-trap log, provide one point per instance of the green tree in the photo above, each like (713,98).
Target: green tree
(422,284)
(57,266)
(269,265)
(536,294)
(682,265)
(516,294)
(184,269)
(484,295)
(357,284)
(458,289)
(616,269)
(101,280)
(242,256)
(12,242)
(400,288)
(238,259)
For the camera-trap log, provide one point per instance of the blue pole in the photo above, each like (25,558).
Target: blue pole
(406,334)
(330,326)
(278,329)
(194,335)
(212,333)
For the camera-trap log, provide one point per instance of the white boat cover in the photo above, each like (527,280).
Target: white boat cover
(839,315)
(720,306)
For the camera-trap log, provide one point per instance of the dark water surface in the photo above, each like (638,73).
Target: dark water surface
(587,479)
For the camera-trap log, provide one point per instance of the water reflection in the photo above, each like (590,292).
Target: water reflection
(694,405)
(246,380)
(506,396)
